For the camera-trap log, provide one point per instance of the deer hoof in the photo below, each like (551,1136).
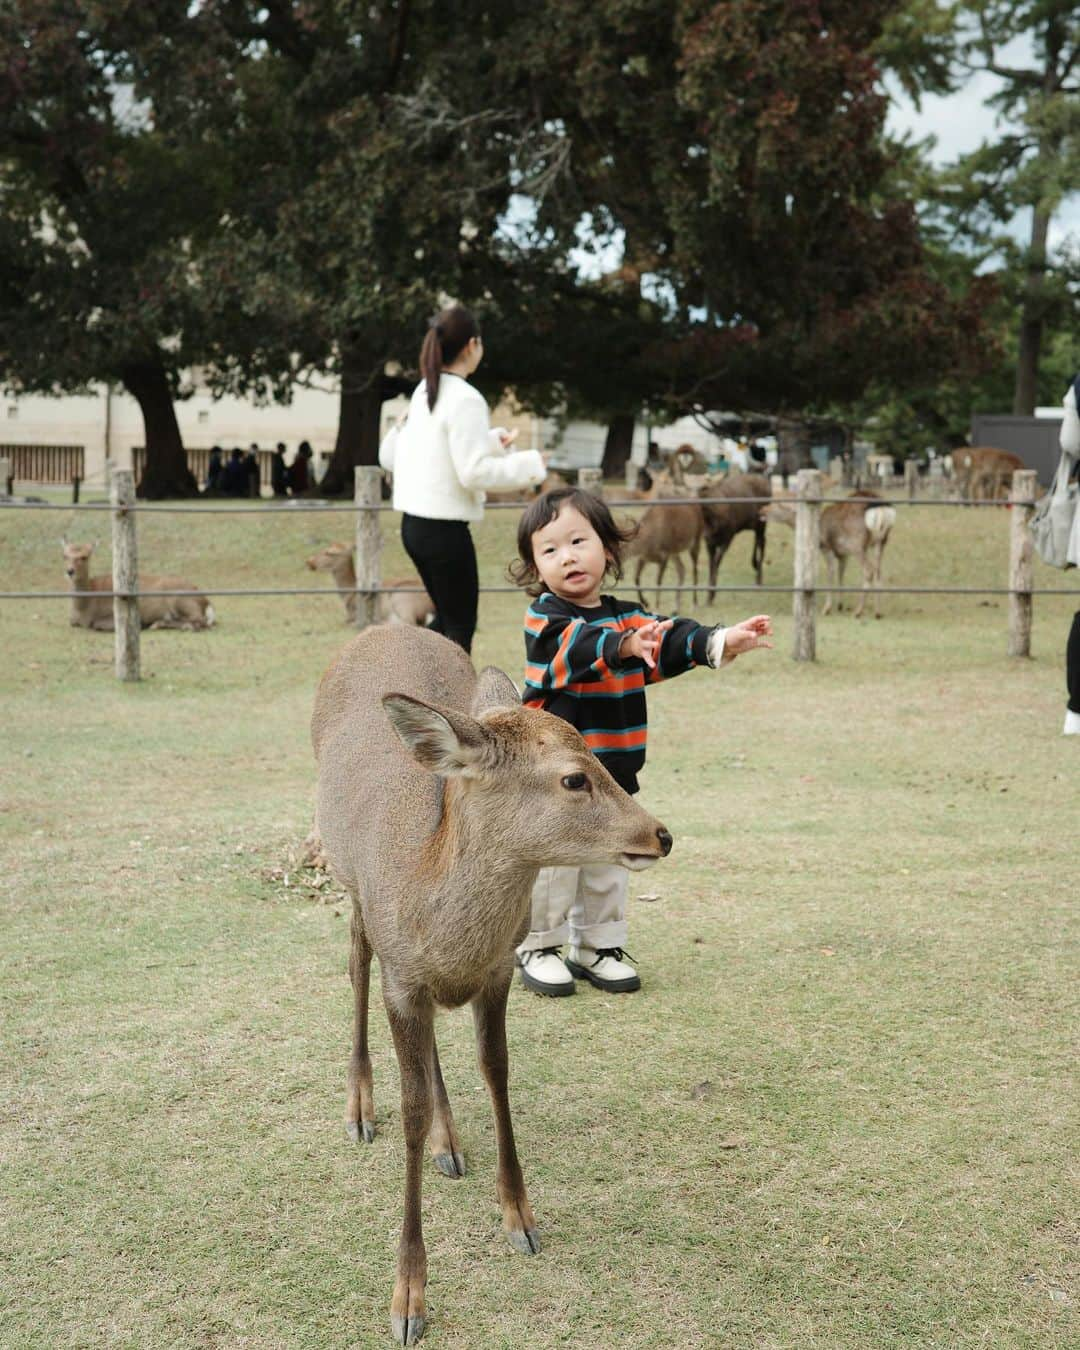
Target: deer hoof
(450,1164)
(524,1240)
(406,1330)
(364,1129)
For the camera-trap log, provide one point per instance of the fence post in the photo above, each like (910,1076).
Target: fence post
(911,477)
(807,541)
(125,576)
(1023,491)
(6,483)
(368,497)
(591,480)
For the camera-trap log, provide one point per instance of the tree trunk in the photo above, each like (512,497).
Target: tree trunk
(165,471)
(792,446)
(617,446)
(1032,318)
(362,394)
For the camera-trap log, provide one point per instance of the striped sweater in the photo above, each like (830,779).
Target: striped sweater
(573,670)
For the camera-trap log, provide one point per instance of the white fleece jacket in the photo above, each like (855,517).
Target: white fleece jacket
(443,458)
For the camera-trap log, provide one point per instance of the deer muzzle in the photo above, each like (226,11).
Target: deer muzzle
(637,862)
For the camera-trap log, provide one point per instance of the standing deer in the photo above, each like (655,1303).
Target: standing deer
(983,473)
(854,528)
(724,520)
(439,799)
(409,607)
(191,610)
(664,533)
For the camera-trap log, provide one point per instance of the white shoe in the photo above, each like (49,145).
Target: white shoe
(1072,723)
(604,968)
(544,972)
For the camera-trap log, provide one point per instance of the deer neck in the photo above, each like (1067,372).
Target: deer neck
(476,882)
(81,582)
(344,574)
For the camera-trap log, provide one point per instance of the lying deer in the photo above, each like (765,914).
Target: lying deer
(724,520)
(409,607)
(854,528)
(664,533)
(191,610)
(439,799)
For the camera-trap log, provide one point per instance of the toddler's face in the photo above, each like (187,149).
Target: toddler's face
(570,558)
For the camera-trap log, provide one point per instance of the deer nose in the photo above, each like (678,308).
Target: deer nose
(666,840)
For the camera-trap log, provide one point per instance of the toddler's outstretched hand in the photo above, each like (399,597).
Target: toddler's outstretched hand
(745,636)
(645,641)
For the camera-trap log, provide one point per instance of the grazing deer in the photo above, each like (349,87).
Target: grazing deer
(664,533)
(439,799)
(409,607)
(191,610)
(983,473)
(724,520)
(854,528)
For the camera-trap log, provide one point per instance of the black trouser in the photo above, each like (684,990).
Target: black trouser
(1072,664)
(442,552)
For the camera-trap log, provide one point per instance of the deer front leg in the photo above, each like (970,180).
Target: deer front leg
(637,583)
(757,558)
(680,567)
(360,1105)
(489,1018)
(413,1041)
(443,1142)
(661,568)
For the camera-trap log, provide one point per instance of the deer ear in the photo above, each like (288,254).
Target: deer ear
(443,740)
(494,689)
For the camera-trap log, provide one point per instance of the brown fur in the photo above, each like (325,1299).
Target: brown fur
(190,611)
(439,798)
(724,521)
(664,533)
(983,473)
(854,528)
(408,607)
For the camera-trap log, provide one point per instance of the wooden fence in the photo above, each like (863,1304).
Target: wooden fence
(368,504)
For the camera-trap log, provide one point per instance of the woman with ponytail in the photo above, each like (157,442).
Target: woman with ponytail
(443,458)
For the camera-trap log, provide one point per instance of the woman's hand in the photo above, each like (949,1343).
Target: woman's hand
(645,642)
(507,438)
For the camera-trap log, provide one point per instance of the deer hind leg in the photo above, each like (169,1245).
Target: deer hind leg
(830,568)
(637,582)
(360,1104)
(661,568)
(489,1018)
(680,567)
(444,1143)
(867,561)
(413,1041)
(695,549)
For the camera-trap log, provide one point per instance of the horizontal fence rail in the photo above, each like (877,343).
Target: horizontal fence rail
(808,498)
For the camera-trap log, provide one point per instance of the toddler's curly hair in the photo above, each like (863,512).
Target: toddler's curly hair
(614,537)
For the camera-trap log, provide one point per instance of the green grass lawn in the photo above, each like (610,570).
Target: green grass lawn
(840,1113)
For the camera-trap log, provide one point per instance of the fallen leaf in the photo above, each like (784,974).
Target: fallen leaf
(732,1141)
(701,1090)
(828,951)
(648,899)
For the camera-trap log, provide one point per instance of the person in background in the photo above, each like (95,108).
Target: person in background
(443,456)
(1070,445)
(279,472)
(214,470)
(251,468)
(234,478)
(299,470)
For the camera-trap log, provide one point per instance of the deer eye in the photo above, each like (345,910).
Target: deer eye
(576,781)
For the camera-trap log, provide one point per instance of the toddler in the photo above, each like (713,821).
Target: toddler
(588,659)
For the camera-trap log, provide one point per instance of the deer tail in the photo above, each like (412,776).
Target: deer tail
(879,521)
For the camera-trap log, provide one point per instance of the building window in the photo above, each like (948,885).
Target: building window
(204,417)
(12,412)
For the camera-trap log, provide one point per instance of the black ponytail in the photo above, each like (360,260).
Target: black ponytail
(449,332)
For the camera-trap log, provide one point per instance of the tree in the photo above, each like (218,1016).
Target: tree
(102,211)
(1031,166)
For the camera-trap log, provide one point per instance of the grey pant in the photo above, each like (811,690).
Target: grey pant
(586,905)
